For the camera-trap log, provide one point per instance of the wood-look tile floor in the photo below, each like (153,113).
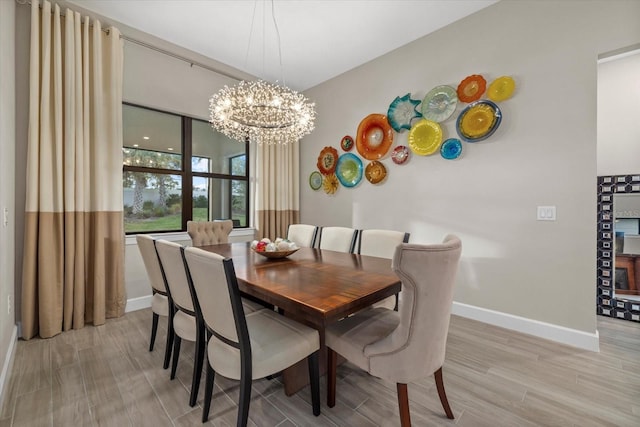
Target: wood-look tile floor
(105,376)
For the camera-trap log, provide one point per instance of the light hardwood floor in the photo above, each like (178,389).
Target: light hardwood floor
(494,377)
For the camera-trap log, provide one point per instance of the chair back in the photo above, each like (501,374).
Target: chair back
(380,243)
(215,285)
(340,239)
(205,233)
(416,348)
(147,247)
(304,235)
(174,272)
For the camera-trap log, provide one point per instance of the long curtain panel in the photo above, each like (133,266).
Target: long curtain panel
(73,261)
(277,189)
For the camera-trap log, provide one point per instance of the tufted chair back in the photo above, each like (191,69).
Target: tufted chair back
(204,233)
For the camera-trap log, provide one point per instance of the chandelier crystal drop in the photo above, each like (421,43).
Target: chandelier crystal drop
(261,112)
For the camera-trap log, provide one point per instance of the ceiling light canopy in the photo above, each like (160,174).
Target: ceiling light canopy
(261,112)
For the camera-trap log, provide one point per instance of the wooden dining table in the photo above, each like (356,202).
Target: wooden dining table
(313,286)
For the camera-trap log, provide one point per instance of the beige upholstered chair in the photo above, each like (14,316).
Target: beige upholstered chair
(161,304)
(382,244)
(409,344)
(340,239)
(205,233)
(245,346)
(184,315)
(304,235)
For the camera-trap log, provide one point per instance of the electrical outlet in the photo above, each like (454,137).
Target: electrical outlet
(9,304)
(5,215)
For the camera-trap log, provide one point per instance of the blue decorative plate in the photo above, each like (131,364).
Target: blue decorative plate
(349,170)
(451,149)
(402,111)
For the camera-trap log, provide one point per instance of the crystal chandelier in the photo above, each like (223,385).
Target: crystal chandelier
(262,112)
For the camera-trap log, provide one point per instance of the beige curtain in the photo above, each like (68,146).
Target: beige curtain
(73,261)
(277,189)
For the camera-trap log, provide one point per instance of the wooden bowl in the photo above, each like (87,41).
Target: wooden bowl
(276,254)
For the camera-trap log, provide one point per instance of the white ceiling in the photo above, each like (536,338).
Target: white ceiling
(319,39)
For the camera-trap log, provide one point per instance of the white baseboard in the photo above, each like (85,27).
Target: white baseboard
(139,303)
(8,364)
(560,334)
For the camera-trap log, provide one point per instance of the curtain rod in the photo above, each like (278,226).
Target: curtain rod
(157,49)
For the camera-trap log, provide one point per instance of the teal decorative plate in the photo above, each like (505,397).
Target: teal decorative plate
(402,111)
(349,170)
(451,149)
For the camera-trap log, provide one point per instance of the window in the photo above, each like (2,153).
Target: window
(177,168)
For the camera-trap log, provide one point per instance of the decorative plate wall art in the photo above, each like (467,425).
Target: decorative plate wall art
(402,111)
(439,103)
(349,170)
(501,89)
(471,88)
(327,160)
(451,149)
(330,184)
(315,180)
(375,172)
(400,155)
(374,137)
(478,121)
(425,137)
(346,143)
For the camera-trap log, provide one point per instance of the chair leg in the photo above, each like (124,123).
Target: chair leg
(176,353)
(403,404)
(314,381)
(154,329)
(197,365)
(208,392)
(332,361)
(169,346)
(245,400)
(441,393)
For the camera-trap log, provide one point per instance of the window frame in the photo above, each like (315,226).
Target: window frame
(187,174)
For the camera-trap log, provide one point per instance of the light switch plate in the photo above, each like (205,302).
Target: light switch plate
(546,213)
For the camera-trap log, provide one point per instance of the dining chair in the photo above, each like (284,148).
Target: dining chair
(205,233)
(161,304)
(408,344)
(184,315)
(382,244)
(245,346)
(340,239)
(304,235)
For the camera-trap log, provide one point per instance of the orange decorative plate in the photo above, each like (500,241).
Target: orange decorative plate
(501,89)
(346,143)
(374,137)
(478,121)
(375,172)
(327,160)
(471,88)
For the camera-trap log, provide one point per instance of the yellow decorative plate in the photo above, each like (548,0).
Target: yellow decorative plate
(478,121)
(425,137)
(501,88)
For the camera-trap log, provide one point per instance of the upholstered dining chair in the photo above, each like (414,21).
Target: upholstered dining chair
(245,346)
(161,304)
(340,239)
(408,344)
(382,244)
(205,233)
(304,235)
(184,315)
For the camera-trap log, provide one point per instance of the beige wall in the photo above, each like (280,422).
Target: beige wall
(7,188)
(544,153)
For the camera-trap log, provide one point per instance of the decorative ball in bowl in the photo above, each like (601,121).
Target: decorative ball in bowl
(279,248)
